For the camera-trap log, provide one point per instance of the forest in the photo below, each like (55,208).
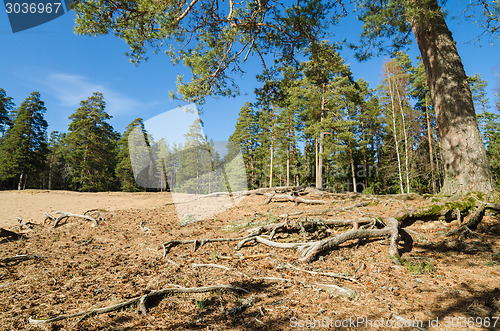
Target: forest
(379,140)
(375,204)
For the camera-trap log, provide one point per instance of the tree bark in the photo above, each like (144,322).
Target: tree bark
(271,163)
(431,154)
(405,137)
(466,165)
(394,132)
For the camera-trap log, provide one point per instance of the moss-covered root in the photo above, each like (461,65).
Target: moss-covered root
(447,209)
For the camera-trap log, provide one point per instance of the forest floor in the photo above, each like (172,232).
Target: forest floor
(441,283)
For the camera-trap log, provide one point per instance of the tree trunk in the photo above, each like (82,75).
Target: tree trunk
(288,154)
(466,165)
(431,154)
(406,139)
(271,164)
(319,170)
(353,172)
(394,133)
(20,185)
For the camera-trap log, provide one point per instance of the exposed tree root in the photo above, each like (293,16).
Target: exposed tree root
(338,290)
(473,222)
(10,234)
(321,273)
(309,250)
(19,258)
(138,300)
(288,197)
(63,215)
(200,242)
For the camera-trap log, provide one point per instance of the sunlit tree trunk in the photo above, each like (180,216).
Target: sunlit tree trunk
(466,165)
(395,134)
(431,154)
(406,139)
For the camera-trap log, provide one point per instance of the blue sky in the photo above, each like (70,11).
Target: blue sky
(66,68)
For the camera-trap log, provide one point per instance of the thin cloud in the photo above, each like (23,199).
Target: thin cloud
(70,89)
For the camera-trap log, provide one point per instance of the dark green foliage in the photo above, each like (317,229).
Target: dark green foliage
(92,146)
(24,147)
(58,169)
(198,171)
(6,105)
(124,172)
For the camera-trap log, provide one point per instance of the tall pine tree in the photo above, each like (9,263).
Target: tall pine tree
(24,148)
(124,172)
(6,105)
(92,146)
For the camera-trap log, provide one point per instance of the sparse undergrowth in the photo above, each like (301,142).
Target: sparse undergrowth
(87,267)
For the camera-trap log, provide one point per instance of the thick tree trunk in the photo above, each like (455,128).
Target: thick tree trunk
(466,165)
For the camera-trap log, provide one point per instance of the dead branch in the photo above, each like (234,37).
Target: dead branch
(139,300)
(64,215)
(288,197)
(20,258)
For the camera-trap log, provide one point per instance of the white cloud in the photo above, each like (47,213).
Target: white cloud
(70,89)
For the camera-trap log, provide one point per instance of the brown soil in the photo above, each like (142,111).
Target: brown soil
(88,267)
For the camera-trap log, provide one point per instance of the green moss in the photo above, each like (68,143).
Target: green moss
(418,266)
(462,205)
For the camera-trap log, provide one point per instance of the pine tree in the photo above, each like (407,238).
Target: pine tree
(245,136)
(6,106)
(23,150)
(92,146)
(195,162)
(420,92)
(58,169)
(124,172)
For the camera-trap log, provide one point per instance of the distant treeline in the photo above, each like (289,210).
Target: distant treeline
(313,116)
(384,140)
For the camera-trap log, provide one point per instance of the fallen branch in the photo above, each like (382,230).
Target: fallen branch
(64,215)
(139,300)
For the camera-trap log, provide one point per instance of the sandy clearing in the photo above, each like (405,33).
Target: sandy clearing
(31,205)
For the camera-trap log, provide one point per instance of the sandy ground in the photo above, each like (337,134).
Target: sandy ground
(31,205)
(442,283)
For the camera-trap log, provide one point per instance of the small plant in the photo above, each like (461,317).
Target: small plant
(201,304)
(418,266)
(214,256)
(495,259)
